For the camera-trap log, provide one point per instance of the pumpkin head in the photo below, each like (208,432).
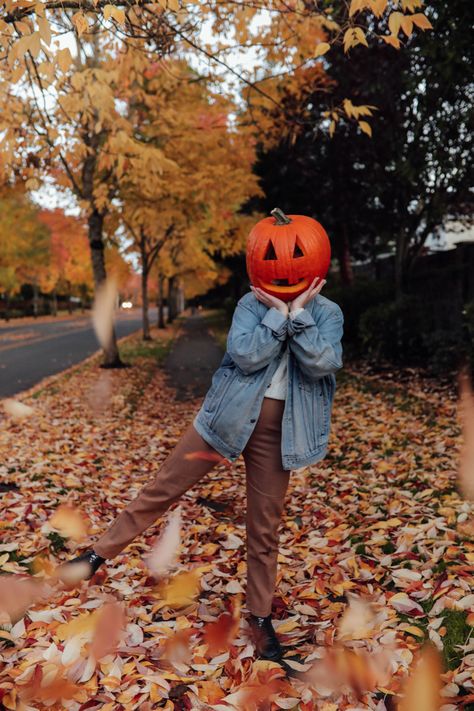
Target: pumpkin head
(285,253)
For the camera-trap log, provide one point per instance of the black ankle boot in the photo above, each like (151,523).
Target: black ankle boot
(90,558)
(266,641)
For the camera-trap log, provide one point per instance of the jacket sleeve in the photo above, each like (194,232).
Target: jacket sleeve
(252,344)
(318,350)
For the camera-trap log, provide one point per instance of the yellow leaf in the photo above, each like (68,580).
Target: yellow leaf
(173,5)
(22,46)
(80,23)
(365,127)
(287,626)
(79,626)
(332,128)
(407,25)
(411,5)
(386,524)
(64,59)
(9,701)
(115,12)
(354,36)
(394,22)
(378,7)
(44,30)
(421,21)
(348,107)
(4,558)
(322,48)
(357,6)
(416,631)
(392,39)
(181,590)
(32,184)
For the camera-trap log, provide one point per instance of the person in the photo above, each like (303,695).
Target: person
(270,400)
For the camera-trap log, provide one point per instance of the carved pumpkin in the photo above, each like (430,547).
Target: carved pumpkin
(285,253)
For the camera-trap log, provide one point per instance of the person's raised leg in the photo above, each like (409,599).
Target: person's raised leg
(180,471)
(267,484)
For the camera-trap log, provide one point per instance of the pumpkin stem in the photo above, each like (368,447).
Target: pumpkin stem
(280,217)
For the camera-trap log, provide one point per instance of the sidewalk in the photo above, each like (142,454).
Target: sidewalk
(193,359)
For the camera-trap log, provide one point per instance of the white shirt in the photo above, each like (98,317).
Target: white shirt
(278,386)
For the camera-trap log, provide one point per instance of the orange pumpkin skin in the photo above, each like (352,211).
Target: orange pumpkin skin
(296,252)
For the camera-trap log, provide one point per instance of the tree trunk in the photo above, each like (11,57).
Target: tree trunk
(172,312)
(145,317)
(399,263)
(161,301)
(55,303)
(400,255)
(344,258)
(96,223)
(180,298)
(35,300)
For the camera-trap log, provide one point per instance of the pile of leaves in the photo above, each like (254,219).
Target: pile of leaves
(376,558)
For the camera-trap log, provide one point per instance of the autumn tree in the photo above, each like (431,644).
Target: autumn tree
(206,165)
(69,268)
(285,36)
(24,243)
(92,148)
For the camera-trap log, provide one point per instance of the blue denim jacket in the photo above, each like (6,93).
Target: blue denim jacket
(255,343)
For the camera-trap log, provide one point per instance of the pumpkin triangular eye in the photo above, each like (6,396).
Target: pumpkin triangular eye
(270,253)
(297,251)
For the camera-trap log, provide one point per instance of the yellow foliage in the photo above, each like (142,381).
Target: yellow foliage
(322,48)
(365,127)
(354,36)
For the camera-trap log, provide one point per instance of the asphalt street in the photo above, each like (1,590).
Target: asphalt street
(35,350)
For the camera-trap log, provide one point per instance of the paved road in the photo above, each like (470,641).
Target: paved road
(32,351)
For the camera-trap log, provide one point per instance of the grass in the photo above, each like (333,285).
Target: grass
(457,633)
(218,323)
(155,350)
(394,393)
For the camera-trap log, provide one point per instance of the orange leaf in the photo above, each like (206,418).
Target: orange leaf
(422,689)
(107,632)
(70,522)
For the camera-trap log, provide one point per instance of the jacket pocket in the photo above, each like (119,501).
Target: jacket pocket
(325,397)
(221,381)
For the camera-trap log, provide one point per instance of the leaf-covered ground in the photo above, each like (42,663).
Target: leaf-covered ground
(379,520)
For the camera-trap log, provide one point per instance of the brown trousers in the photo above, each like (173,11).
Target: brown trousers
(267,483)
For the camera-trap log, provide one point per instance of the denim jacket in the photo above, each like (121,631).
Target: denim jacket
(255,343)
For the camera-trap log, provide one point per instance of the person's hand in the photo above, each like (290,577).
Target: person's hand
(269,300)
(302,299)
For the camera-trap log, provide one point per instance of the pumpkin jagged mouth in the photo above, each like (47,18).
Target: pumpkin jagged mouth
(283,285)
(284,282)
